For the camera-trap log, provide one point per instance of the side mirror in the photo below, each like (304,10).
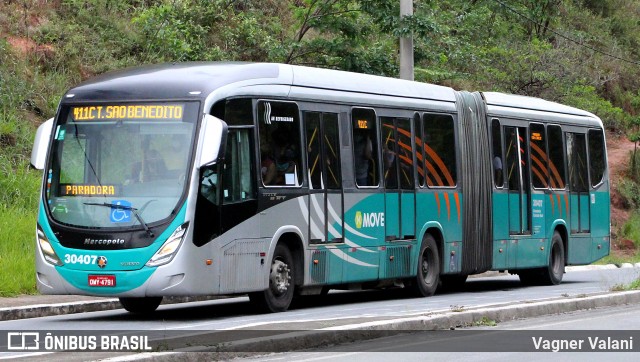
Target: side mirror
(41,144)
(214,135)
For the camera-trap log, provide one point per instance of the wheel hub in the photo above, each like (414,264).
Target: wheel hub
(280,277)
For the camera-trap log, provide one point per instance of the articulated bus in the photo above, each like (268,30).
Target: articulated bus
(276,181)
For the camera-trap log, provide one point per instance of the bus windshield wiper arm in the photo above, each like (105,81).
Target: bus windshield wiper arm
(128,208)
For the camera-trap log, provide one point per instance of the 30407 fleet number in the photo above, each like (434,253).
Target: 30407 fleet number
(80,259)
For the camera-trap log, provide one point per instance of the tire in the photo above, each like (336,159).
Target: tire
(278,297)
(141,305)
(552,274)
(428,273)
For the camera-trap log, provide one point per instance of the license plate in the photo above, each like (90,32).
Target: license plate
(102,280)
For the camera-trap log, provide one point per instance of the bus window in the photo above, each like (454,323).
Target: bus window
(73,160)
(422,171)
(389,154)
(405,153)
(365,147)
(440,155)
(312,122)
(279,128)
(498,163)
(237,181)
(539,162)
(556,157)
(331,151)
(577,163)
(238,112)
(513,161)
(596,156)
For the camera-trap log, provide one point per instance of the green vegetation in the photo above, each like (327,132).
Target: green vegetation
(634,285)
(485,322)
(580,52)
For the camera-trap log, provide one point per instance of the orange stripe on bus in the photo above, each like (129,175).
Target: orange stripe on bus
(441,165)
(540,176)
(432,171)
(553,205)
(446,199)
(455,195)
(559,206)
(438,203)
(556,174)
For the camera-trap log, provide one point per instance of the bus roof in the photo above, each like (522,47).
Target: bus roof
(197,80)
(531,103)
(193,79)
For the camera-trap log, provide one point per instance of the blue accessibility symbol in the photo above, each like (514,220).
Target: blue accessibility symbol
(122,213)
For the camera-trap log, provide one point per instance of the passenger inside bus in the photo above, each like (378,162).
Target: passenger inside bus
(285,156)
(267,167)
(152,167)
(362,149)
(497,169)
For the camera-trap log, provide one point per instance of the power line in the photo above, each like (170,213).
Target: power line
(565,36)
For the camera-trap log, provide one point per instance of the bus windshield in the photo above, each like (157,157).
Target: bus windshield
(132,156)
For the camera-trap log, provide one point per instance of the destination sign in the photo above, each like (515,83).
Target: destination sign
(363,124)
(167,112)
(87,190)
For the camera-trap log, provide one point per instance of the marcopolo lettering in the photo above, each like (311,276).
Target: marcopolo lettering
(89,241)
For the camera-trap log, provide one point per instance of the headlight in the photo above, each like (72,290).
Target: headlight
(45,247)
(169,248)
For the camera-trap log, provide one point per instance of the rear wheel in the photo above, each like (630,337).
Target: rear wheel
(426,281)
(552,274)
(141,305)
(279,295)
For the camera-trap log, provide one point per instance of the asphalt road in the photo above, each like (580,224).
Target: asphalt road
(616,321)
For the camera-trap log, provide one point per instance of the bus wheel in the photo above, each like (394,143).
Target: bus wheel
(426,281)
(278,296)
(552,274)
(142,305)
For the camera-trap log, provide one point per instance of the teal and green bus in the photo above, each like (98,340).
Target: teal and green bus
(276,180)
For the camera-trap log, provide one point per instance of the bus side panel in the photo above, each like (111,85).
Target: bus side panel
(501,240)
(364,223)
(579,249)
(443,206)
(600,223)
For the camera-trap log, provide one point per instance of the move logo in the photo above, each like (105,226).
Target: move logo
(369,219)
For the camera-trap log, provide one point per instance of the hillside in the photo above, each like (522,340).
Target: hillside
(583,53)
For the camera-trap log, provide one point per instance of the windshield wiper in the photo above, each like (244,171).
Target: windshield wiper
(128,208)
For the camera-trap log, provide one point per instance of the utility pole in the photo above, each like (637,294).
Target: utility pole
(406,44)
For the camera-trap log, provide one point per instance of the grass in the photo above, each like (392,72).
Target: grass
(629,231)
(634,285)
(485,322)
(17,246)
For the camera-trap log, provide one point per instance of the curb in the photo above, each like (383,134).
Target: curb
(54,309)
(46,310)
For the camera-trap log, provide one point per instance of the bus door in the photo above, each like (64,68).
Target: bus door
(517,175)
(325,180)
(397,159)
(579,203)
(238,190)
